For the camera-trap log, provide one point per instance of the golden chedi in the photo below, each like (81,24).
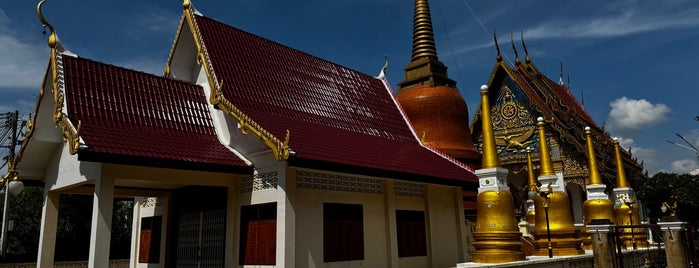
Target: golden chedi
(497,237)
(597,205)
(625,208)
(559,226)
(436,109)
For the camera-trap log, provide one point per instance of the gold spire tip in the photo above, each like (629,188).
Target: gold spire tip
(45,24)
(186,4)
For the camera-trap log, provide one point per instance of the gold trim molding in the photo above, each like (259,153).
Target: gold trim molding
(280,148)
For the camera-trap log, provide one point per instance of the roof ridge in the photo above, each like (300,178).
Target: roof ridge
(286,46)
(132,70)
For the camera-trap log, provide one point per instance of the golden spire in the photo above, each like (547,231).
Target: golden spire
(621,181)
(186,4)
(592,160)
(544,155)
(530,170)
(423,36)
(526,52)
(424,68)
(52,37)
(490,154)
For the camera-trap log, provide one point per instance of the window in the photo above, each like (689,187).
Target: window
(343,232)
(258,234)
(149,246)
(412,237)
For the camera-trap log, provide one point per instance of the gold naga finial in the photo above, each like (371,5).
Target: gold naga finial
(512,41)
(490,153)
(497,46)
(621,181)
(592,160)
(530,171)
(526,52)
(186,4)
(544,155)
(52,38)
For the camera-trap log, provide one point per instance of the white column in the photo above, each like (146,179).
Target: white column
(232,226)
(429,226)
(135,231)
(460,224)
(100,233)
(286,219)
(47,234)
(391,226)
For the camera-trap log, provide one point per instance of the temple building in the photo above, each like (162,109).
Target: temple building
(244,153)
(519,95)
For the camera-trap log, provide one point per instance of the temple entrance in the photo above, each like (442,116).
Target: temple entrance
(199,226)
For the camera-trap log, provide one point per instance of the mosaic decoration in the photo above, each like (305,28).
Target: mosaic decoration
(259,182)
(335,182)
(513,123)
(409,189)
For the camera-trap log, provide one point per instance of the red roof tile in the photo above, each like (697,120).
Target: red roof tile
(138,118)
(335,115)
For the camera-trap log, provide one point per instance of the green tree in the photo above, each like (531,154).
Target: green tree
(670,187)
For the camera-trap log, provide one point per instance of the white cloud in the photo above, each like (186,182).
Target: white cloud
(23,62)
(629,115)
(685,166)
(624,19)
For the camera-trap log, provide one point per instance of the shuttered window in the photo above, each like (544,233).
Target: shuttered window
(258,238)
(343,232)
(149,246)
(412,236)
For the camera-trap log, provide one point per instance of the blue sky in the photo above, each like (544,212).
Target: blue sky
(632,60)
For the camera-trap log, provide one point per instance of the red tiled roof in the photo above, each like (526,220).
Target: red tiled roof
(138,118)
(335,115)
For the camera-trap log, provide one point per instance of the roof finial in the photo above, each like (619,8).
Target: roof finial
(52,37)
(382,73)
(423,36)
(186,4)
(497,46)
(560,79)
(526,52)
(512,40)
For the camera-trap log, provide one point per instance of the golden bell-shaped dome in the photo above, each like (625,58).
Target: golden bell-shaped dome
(439,116)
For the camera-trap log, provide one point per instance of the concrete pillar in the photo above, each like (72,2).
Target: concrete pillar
(675,247)
(233,225)
(47,234)
(286,219)
(391,229)
(601,242)
(101,231)
(136,231)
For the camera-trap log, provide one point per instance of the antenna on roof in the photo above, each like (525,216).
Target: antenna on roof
(526,52)
(512,40)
